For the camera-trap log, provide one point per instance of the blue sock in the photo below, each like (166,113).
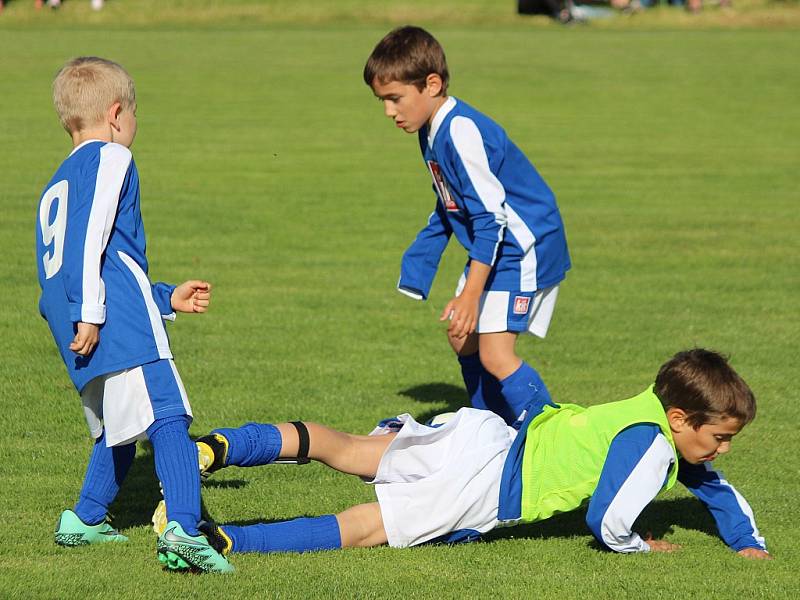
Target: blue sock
(105,472)
(176,467)
(523,389)
(252,444)
(483,388)
(471,371)
(298,535)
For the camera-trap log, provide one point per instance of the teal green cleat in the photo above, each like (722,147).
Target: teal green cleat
(178,551)
(71,531)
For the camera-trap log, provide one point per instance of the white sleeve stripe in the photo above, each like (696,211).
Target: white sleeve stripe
(468,143)
(114,162)
(639,489)
(743,505)
(156,321)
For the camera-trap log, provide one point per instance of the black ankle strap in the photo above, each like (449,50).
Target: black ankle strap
(304,442)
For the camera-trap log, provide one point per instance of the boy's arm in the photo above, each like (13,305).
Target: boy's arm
(634,471)
(162,294)
(87,235)
(421,260)
(730,510)
(482,192)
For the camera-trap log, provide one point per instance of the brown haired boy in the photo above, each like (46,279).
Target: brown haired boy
(493,200)
(475,473)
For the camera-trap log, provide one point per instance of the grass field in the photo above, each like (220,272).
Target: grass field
(268,168)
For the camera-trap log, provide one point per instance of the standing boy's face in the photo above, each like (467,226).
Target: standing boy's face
(705,443)
(409,107)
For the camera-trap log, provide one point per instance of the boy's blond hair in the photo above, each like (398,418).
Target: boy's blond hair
(86,87)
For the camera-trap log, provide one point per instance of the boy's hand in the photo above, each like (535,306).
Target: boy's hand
(463,314)
(660,545)
(755,553)
(193,296)
(86,339)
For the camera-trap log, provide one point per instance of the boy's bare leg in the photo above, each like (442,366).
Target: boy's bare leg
(361,526)
(498,354)
(345,452)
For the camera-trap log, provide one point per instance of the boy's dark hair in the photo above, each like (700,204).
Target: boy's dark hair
(703,384)
(408,55)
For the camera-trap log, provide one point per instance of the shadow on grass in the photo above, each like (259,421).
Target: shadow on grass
(140,493)
(659,519)
(453,396)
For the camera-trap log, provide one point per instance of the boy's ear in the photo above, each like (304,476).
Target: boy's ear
(114,111)
(677,419)
(433,84)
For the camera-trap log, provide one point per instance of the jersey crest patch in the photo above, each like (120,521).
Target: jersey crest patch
(521,305)
(441,187)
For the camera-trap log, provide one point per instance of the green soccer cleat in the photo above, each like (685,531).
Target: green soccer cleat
(71,531)
(178,551)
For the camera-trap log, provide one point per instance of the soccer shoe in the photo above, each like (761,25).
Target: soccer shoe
(212,450)
(218,539)
(159,518)
(178,551)
(71,531)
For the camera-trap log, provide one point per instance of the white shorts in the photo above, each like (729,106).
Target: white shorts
(127,402)
(519,312)
(434,481)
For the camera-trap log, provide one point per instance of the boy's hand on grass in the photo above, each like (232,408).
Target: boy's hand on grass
(193,296)
(463,314)
(86,339)
(755,553)
(660,545)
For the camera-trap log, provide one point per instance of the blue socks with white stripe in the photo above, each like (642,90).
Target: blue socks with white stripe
(252,444)
(524,389)
(506,398)
(176,467)
(298,535)
(105,472)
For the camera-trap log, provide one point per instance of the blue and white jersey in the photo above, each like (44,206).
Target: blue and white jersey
(90,249)
(636,469)
(495,202)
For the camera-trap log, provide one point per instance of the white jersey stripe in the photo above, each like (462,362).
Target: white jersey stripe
(639,489)
(156,322)
(468,143)
(526,239)
(114,162)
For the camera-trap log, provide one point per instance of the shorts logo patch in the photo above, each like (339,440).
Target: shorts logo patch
(441,187)
(521,305)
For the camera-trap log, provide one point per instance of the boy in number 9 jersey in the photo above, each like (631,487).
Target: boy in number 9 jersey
(107,318)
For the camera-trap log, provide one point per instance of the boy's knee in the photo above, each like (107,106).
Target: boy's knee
(463,346)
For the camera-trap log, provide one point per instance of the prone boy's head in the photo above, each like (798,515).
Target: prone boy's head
(407,70)
(94,94)
(706,403)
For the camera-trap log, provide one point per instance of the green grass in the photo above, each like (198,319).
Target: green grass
(268,168)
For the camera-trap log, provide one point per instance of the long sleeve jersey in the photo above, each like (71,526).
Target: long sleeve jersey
(90,249)
(616,457)
(633,474)
(492,199)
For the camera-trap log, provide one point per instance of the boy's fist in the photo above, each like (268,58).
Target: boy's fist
(193,296)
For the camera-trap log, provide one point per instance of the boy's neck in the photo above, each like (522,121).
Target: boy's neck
(440,102)
(100,133)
